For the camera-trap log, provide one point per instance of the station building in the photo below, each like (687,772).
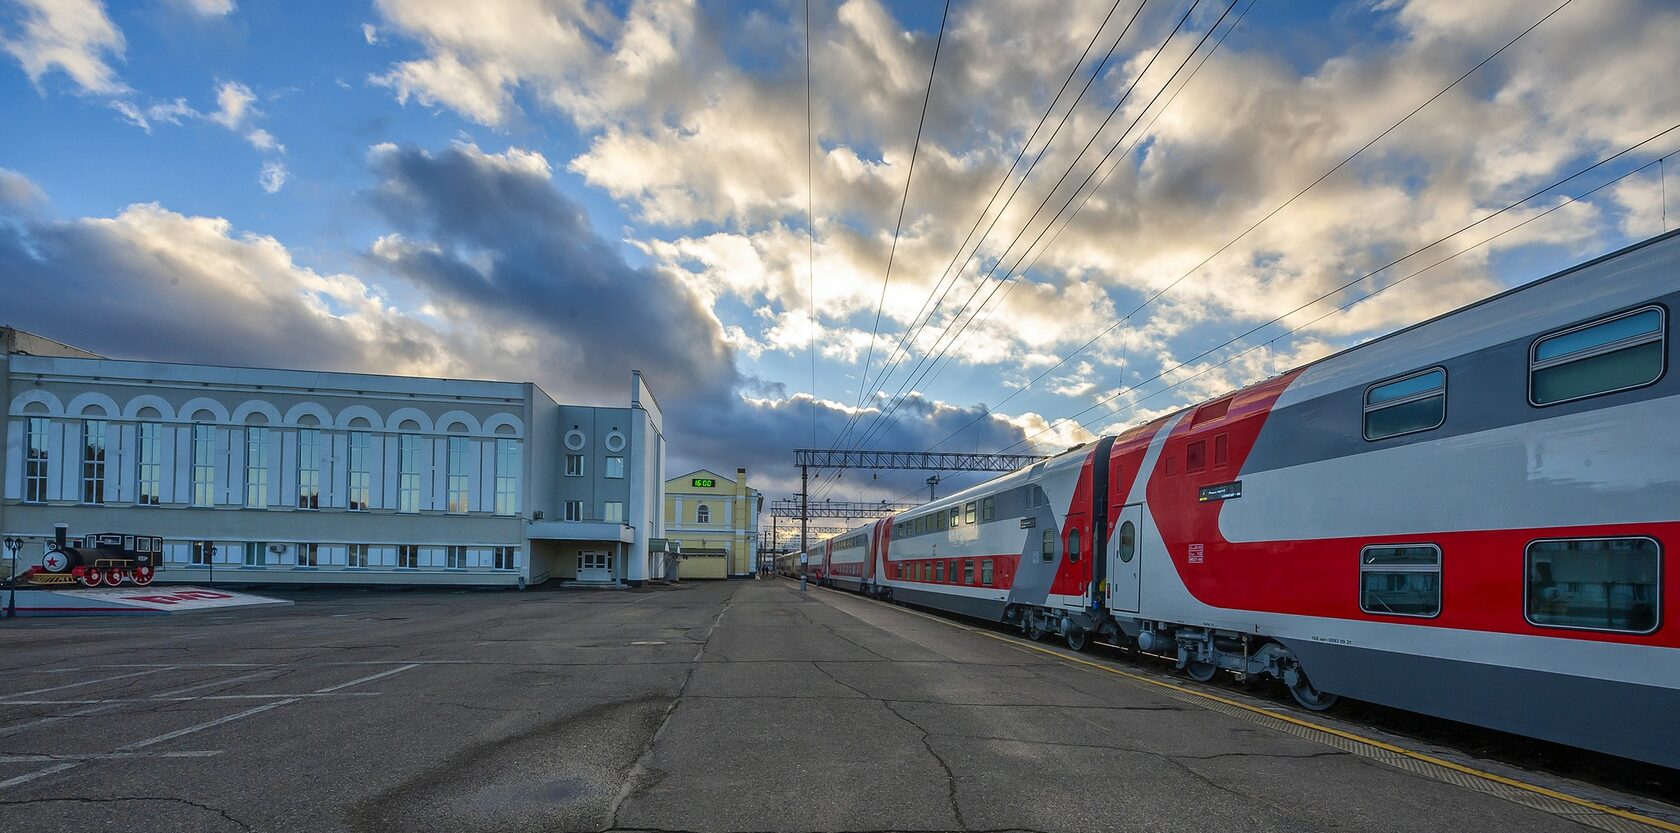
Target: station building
(715,520)
(270,476)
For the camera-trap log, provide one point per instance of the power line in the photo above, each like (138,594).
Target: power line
(910,333)
(1363,298)
(882,419)
(1270,214)
(1606,160)
(908,176)
(811,225)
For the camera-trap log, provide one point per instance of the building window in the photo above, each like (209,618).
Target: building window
(968,572)
(1605,584)
(968,512)
(1047,551)
(361,473)
(408,555)
(255,554)
(1617,353)
(203,552)
(149,463)
(357,556)
(458,475)
(1400,580)
(309,468)
(574,465)
(408,473)
(35,462)
(703,514)
(988,509)
(93,461)
(456,558)
(1406,405)
(256,468)
(309,555)
(986,572)
(615,468)
(507,476)
(203,465)
(574,510)
(503,558)
(613,511)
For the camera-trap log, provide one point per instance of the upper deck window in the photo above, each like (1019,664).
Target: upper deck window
(1406,405)
(1612,354)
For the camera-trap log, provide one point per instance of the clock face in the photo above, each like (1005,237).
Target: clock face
(55,561)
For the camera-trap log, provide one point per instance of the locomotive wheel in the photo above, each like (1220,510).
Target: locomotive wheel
(143,576)
(1034,632)
(1201,672)
(114,576)
(1308,696)
(1078,640)
(92,577)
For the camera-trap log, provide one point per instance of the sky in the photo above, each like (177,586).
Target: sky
(1095,213)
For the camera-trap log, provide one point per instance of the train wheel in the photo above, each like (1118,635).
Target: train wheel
(1078,640)
(1305,693)
(143,576)
(114,577)
(92,577)
(1034,632)
(1201,672)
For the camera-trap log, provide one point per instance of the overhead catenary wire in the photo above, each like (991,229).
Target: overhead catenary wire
(811,224)
(883,418)
(903,201)
(1272,213)
(911,332)
(1366,276)
(1384,288)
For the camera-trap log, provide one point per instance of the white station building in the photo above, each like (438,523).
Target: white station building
(289,476)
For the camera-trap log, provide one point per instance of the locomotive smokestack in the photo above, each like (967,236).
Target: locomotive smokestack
(61,533)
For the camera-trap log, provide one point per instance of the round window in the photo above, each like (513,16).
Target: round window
(574,440)
(1127,543)
(615,441)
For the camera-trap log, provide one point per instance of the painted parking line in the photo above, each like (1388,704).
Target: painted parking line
(185,699)
(208,724)
(107,756)
(30,776)
(368,679)
(1597,814)
(80,683)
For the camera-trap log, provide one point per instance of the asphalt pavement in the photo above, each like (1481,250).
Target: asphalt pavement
(740,706)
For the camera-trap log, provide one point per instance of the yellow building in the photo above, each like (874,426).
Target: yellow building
(716,521)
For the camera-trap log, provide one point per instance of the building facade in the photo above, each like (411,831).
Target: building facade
(715,519)
(285,476)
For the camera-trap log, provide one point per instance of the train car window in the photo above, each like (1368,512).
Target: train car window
(968,572)
(968,512)
(939,571)
(1221,451)
(1618,353)
(1195,456)
(1126,544)
(1049,551)
(1402,580)
(1601,584)
(939,522)
(986,572)
(1073,545)
(1407,405)
(988,509)
(956,517)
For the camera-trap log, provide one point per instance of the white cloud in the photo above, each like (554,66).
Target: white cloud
(233,105)
(75,37)
(370,33)
(273,176)
(263,140)
(208,8)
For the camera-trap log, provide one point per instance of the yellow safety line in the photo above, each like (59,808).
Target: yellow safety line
(1387,747)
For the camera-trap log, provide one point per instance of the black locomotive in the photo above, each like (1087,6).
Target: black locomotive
(102,558)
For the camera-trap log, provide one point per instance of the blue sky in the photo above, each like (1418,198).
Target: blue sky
(484,191)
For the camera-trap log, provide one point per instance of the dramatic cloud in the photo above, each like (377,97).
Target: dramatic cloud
(74,37)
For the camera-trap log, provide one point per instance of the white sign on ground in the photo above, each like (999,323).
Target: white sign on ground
(143,600)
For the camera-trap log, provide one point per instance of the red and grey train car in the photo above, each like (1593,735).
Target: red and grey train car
(1474,518)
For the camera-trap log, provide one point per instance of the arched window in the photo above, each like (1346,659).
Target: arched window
(703,514)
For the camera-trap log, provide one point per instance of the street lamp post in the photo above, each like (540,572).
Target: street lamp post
(13,544)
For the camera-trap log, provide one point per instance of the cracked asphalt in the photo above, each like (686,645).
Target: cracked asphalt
(745,706)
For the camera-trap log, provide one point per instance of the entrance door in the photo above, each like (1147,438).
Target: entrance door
(594,566)
(1124,561)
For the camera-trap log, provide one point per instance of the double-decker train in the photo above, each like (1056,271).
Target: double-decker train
(1473,518)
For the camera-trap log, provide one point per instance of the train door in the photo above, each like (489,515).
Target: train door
(1124,564)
